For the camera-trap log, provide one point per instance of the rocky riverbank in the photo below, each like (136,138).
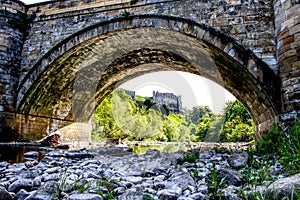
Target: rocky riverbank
(117,173)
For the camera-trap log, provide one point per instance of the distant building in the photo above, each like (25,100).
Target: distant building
(170,100)
(130,93)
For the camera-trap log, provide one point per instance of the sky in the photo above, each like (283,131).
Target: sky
(193,89)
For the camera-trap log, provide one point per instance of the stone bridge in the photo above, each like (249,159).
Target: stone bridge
(59,59)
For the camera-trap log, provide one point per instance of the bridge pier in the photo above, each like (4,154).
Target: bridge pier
(287,30)
(13,20)
(16,126)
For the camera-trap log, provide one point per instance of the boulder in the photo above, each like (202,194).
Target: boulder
(238,160)
(231,177)
(84,196)
(49,190)
(284,187)
(78,154)
(16,186)
(31,154)
(4,194)
(181,179)
(22,194)
(131,194)
(51,140)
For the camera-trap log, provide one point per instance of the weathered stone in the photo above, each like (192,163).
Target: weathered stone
(55,153)
(238,160)
(167,194)
(85,196)
(4,194)
(22,194)
(181,180)
(78,154)
(25,184)
(133,179)
(39,196)
(119,190)
(231,177)
(48,191)
(284,187)
(31,154)
(131,194)
(199,196)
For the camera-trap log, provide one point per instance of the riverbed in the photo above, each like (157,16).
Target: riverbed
(14,152)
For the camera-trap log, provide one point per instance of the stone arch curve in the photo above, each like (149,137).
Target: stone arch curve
(195,47)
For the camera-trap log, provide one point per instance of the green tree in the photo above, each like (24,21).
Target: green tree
(202,128)
(238,125)
(199,112)
(213,133)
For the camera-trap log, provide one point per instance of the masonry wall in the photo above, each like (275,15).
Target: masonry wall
(287,23)
(250,22)
(172,101)
(15,127)
(13,29)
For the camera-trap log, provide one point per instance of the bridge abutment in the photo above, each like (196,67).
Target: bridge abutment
(13,22)
(287,28)
(16,127)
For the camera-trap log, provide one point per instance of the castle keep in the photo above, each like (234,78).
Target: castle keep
(170,100)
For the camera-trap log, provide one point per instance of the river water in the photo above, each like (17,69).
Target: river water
(15,154)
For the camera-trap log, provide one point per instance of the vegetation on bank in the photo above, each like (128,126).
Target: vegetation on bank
(282,144)
(121,117)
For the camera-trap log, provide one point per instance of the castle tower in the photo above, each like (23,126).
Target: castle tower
(287,28)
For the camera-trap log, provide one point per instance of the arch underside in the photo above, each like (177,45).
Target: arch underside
(74,83)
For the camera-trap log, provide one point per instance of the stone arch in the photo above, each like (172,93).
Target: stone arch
(147,43)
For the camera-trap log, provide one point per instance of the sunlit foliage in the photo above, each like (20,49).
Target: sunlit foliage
(121,117)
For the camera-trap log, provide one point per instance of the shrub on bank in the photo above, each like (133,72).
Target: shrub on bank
(283,144)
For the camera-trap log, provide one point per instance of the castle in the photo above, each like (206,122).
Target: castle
(170,100)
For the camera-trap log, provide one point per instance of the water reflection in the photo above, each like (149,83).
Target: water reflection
(168,148)
(13,154)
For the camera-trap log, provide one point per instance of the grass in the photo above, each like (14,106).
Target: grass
(126,13)
(283,144)
(132,2)
(214,185)
(188,157)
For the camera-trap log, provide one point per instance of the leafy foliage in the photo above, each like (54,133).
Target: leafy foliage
(118,116)
(199,112)
(285,144)
(238,125)
(214,185)
(121,117)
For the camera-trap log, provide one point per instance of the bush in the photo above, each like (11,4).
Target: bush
(283,144)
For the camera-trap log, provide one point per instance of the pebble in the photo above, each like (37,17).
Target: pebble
(94,175)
